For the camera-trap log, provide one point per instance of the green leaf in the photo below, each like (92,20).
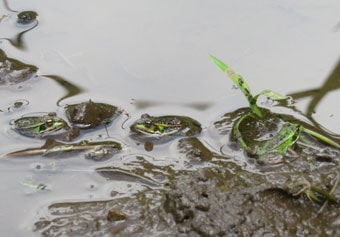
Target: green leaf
(239,82)
(322,138)
(218,63)
(272,95)
(236,133)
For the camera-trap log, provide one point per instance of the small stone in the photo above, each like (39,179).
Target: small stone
(115,215)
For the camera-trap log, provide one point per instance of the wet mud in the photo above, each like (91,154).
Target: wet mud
(208,202)
(224,199)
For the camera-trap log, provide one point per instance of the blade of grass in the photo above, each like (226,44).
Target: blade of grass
(239,82)
(322,138)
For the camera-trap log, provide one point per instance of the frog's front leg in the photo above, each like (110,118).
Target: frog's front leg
(298,187)
(71,133)
(313,193)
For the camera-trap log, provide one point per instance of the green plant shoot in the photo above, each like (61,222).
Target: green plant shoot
(239,82)
(243,86)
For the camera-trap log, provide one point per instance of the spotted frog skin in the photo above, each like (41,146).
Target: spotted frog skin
(41,126)
(165,126)
(280,142)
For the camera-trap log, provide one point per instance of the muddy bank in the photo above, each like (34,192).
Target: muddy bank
(215,202)
(207,202)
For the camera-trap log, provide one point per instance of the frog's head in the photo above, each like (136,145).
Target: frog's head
(48,123)
(148,125)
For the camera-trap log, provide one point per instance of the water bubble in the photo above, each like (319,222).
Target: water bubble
(269,102)
(18,105)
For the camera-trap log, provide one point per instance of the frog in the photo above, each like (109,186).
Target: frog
(44,126)
(261,132)
(273,139)
(284,138)
(162,127)
(90,114)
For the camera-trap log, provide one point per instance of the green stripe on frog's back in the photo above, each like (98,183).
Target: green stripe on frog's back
(166,126)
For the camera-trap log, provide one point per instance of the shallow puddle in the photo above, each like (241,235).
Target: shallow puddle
(153,57)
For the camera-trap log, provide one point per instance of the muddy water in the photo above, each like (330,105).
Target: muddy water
(152,57)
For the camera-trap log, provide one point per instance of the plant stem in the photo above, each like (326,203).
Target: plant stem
(322,138)
(325,194)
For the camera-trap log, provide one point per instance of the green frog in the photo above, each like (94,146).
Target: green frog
(155,128)
(261,132)
(282,140)
(45,125)
(271,139)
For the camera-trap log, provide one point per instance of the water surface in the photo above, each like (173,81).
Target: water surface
(152,56)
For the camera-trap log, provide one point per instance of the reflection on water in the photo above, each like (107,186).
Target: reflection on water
(331,84)
(7,6)
(17,41)
(13,72)
(144,104)
(70,88)
(26,19)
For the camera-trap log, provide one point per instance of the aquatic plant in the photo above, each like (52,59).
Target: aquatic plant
(281,141)
(243,86)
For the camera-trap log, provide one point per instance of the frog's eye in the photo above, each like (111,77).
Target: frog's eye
(49,122)
(148,124)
